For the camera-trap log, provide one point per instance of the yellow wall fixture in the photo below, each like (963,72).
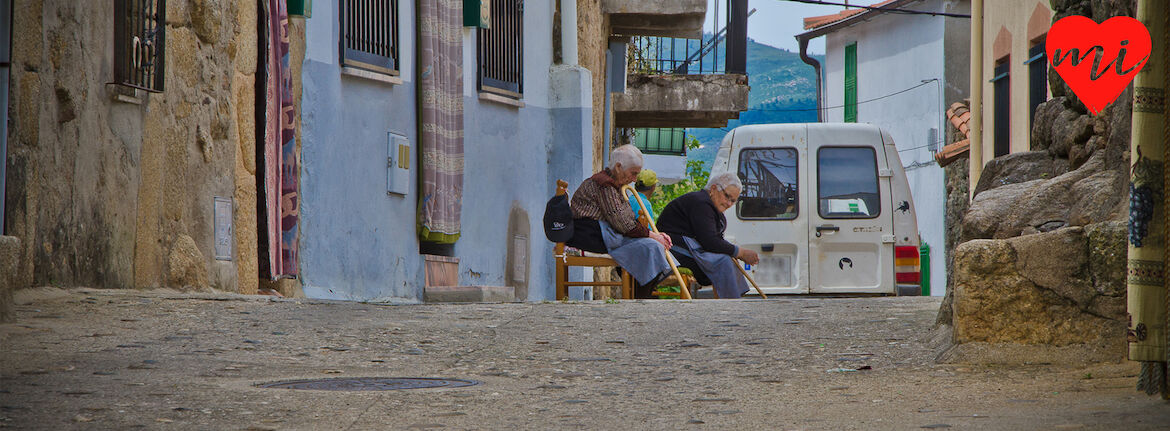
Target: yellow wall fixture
(1145,281)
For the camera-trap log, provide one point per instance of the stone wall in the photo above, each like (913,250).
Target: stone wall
(956,205)
(592,43)
(115,192)
(9,250)
(1043,245)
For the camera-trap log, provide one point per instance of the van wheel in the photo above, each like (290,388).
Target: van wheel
(909,290)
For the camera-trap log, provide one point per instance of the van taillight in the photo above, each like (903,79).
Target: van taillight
(906,268)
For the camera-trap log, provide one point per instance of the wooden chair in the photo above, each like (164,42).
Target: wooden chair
(563,261)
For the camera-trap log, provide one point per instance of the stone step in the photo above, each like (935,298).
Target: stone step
(469,294)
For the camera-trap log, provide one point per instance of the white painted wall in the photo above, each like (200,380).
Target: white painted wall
(896,52)
(670,169)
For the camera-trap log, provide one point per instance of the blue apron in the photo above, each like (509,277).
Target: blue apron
(643,258)
(719,268)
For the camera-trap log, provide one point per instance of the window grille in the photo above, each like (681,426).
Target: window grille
(139,43)
(369,35)
(501,50)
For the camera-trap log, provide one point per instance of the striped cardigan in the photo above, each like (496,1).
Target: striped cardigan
(600,198)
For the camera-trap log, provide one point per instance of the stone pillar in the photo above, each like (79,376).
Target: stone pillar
(9,260)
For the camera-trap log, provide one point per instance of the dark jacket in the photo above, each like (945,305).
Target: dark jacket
(694,215)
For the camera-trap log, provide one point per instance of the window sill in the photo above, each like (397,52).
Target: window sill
(125,94)
(490,97)
(373,76)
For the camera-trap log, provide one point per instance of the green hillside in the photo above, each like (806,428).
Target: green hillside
(783,90)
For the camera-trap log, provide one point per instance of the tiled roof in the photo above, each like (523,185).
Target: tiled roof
(823,20)
(960,116)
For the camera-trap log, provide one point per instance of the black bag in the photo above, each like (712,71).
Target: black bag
(558,219)
(587,236)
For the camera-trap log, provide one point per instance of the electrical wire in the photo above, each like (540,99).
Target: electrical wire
(884,9)
(842,106)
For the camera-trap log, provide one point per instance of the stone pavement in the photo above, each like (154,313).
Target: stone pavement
(104,359)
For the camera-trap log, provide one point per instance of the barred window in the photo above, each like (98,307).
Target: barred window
(139,43)
(501,50)
(369,35)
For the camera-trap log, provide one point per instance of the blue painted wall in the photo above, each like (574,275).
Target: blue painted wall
(357,242)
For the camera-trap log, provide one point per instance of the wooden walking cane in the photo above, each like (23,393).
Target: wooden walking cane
(749,278)
(684,290)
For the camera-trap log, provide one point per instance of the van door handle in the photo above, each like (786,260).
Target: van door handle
(827,227)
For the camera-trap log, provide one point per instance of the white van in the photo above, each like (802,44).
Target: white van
(826,205)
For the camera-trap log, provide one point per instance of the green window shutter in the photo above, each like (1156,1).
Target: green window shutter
(851,83)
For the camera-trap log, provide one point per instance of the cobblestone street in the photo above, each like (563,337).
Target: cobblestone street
(116,359)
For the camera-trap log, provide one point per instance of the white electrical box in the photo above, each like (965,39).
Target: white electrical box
(398,159)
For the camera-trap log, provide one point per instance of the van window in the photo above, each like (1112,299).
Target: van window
(769,184)
(847,183)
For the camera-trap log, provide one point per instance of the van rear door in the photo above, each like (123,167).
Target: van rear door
(849,216)
(771,214)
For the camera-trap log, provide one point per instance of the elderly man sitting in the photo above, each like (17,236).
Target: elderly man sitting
(695,223)
(604,223)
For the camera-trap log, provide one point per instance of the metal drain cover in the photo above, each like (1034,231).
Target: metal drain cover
(369,384)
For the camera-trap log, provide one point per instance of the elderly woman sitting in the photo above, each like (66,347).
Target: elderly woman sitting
(695,223)
(604,223)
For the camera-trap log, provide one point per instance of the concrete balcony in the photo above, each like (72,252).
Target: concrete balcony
(672,18)
(681,100)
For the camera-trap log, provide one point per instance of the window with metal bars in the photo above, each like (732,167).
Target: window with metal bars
(139,43)
(500,50)
(369,35)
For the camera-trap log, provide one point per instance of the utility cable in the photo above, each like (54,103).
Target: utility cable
(883,9)
(842,106)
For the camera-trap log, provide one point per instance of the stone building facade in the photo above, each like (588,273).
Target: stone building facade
(115,187)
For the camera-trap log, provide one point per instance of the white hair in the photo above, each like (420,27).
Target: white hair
(723,181)
(628,155)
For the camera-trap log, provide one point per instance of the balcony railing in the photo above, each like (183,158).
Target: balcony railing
(716,53)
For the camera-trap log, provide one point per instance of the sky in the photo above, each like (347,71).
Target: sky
(777,22)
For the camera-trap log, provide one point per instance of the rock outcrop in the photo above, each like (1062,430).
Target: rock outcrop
(1059,288)
(1042,250)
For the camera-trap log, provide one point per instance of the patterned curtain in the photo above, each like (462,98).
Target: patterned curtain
(280,149)
(440,106)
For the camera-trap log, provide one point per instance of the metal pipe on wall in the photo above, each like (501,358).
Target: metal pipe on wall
(5,62)
(975,140)
(569,32)
(816,68)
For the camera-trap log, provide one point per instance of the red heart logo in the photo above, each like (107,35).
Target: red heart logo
(1098,60)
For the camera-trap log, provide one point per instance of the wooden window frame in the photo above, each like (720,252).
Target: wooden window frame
(500,50)
(139,48)
(1037,63)
(368,35)
(1002,111)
